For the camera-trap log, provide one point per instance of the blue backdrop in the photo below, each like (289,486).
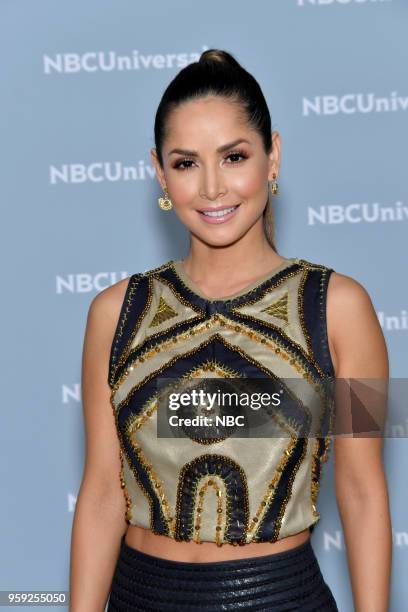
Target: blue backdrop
(81,82)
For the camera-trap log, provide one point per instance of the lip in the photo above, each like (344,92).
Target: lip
(215,208)
(217,220)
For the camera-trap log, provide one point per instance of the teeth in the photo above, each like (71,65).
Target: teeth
(219,213)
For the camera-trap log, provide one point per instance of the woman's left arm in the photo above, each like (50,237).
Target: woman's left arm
(359,351)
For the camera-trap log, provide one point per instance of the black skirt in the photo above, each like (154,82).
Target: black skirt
(288,580)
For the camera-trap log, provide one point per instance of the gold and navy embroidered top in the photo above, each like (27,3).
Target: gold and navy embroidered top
(233,490)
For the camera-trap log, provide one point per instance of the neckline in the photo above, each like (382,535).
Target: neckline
(177,265)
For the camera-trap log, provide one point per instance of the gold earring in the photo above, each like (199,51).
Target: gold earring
(274,186)
(165,203)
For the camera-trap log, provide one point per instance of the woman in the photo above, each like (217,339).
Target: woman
(232,307)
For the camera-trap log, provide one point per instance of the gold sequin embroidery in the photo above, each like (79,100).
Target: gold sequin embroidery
(303,363)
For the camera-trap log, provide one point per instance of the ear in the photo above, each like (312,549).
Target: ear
(274,156)
(158,168)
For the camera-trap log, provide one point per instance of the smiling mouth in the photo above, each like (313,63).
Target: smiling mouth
(218,212)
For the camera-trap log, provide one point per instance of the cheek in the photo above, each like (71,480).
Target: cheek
(250,185)
(182,188)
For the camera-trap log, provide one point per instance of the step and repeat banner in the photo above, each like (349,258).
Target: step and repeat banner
(81,82)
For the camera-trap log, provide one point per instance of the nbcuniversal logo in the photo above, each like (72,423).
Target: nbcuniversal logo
(396,321)
(112,61)
(100,172)
(86,283)
(352,103)
(335,214)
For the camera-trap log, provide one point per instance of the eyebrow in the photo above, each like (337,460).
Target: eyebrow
(221,149)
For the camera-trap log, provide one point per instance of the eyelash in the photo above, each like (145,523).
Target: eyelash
(177,166)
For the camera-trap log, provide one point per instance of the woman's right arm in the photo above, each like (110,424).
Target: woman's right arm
(99,518)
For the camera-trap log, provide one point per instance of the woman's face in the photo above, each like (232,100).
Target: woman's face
(213,160)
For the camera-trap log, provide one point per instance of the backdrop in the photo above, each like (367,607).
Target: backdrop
(81,84)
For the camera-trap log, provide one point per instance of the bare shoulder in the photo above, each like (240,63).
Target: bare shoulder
(344,290)
(103,315)
(356,340)
(349,305)
(108,302)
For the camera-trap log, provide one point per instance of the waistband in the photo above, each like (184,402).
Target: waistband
(303,550)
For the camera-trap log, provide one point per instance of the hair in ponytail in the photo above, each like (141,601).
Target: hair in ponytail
(218,73)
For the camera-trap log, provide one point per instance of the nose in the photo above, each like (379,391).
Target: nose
(212,186)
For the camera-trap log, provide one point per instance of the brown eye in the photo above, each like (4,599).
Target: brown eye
(178,165)
(236,154)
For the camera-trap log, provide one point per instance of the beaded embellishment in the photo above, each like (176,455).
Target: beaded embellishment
(227,490)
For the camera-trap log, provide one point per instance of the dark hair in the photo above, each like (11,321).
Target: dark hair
(218,73)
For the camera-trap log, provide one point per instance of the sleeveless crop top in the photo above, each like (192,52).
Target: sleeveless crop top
(237,490)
